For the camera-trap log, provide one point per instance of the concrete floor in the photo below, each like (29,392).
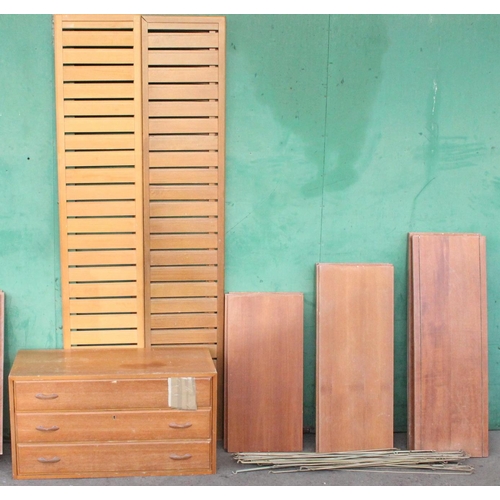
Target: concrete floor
(486,473)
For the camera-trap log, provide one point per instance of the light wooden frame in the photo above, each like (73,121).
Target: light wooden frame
(99,146)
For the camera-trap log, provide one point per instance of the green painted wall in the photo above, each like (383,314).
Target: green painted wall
(29,239)
(344,133)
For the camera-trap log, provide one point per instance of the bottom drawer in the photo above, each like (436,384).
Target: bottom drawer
(114,459)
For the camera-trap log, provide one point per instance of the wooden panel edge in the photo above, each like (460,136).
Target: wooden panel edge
(221,216)
(2,356)
(139,179)
(61,169)
(484,344)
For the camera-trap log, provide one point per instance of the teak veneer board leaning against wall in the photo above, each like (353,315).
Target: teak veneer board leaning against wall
(447,343)
(2,341)
(263,372)
(354,357)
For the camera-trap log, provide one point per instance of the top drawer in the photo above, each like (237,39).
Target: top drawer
(100,394)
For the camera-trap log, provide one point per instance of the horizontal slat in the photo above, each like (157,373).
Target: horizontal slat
(101,192)
(167,108)
(190,192)
(101,56)
(183,320)
(185,91)
(183,176)
(100,208)
(183,257)
(182,125)
(104,225)
(99,158)
(110,90)
(98,73)
(99,141)
(182,208)
(182,57)
(102,258)
(99,175)
(103,290)
(183,40)
(102,305)
(183,225)
(94,274)
(159,290)
(183,273)
(163,306)
(197,142)
(95,125)
(99,108)
(192,241)
(155,23)
(102,22)
(204,74)
(98,38)
(184,336)
(100,321)
(101,241)
(183,159)
(104,337)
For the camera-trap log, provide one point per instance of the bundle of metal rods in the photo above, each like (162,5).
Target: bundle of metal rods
(390,460)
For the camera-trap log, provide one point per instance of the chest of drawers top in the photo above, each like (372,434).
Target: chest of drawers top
(116,363)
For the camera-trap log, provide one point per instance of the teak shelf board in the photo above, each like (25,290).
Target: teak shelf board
(354,352)
(263,372)
(447,342)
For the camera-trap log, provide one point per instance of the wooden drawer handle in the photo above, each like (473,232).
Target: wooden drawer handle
(47,429)
(52,460)
(180,426)
(180,457)
(46,396)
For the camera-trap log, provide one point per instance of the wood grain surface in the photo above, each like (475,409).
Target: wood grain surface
(447,343)
(264,372)
(354,357)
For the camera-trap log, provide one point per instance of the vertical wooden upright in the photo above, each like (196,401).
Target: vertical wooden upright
(263,372)
(2,343)
(99,138)
(354,357)
(184,144)
(447,343)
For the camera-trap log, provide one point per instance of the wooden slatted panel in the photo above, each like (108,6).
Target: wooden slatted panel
(447,343)
(354,352)
(99,134)
(2,341)
(263,372)
(184,100)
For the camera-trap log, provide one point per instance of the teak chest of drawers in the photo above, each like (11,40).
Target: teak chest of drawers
(106,413)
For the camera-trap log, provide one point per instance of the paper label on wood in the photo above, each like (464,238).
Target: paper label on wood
(182,393)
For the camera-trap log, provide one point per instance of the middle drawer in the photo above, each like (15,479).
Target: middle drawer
(113,426)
